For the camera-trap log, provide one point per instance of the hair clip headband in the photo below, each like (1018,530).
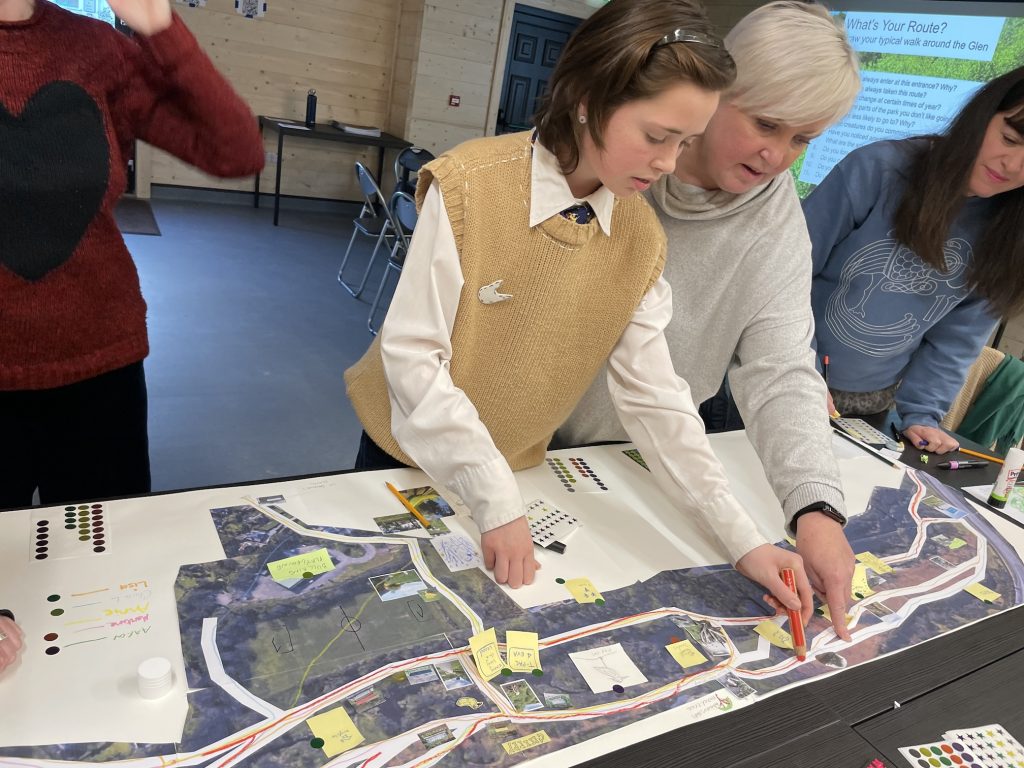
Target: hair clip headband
(683,36)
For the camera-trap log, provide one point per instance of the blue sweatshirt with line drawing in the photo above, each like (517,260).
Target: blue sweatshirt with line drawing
(881,314)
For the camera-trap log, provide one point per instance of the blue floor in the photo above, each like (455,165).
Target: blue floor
(249,333)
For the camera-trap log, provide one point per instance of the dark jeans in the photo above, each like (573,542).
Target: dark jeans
(372,456)
(87,440)
(719,412)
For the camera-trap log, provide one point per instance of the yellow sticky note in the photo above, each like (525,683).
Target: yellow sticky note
(828,614)
(337,730)
(957,543)
(584,591)
(301,566)
(774,634)
(485,653)
(521,651)
(685,654)
(516,746)
(875,563)
(860,582)
(791,540)
(982,592)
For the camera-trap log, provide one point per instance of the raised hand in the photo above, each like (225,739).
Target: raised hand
(146,17)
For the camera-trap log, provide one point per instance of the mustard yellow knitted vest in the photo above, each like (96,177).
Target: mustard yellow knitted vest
(526,361)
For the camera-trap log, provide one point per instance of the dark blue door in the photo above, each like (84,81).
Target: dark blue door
(535,44)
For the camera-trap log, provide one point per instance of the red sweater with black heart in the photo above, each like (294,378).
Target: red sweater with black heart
(74,94)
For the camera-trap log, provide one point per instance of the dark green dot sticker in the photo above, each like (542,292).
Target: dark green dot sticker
(858,595)
(538,673)
(307,575)
(599,601)
(57,612)
(559,581)
(53,598)
(316,743)
(506,672)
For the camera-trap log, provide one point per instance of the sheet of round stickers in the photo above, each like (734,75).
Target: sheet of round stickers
(76,530)
(575,475)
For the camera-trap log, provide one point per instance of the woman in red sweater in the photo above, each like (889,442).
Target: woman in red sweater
(74,95)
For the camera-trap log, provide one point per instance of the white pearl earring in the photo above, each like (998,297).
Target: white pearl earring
(582,119)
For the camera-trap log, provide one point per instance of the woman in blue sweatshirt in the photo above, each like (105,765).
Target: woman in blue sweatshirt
(918,250)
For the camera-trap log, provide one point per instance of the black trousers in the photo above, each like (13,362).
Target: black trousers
(86,440)
(372,456)
(719,412)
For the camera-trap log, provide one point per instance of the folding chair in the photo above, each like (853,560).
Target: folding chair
(407,165)
(403,209)
(374,220)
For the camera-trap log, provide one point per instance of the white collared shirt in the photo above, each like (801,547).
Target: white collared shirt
(438,427)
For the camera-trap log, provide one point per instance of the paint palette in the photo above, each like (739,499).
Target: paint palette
(861,430)
(547,524)
(575,475)
(76,531)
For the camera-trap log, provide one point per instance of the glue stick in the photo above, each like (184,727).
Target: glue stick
(1007,478)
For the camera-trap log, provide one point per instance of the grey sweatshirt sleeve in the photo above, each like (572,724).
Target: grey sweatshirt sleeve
(777,388)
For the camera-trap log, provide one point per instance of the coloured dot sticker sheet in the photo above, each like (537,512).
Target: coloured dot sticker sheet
(987,746)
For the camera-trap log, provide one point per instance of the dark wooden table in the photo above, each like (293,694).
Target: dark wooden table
(319,132)
(967,678)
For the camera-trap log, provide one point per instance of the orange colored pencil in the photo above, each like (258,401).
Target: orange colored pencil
(980,455)
(405,503)
(796,622)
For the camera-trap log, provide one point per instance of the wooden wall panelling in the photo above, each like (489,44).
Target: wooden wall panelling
(345,49)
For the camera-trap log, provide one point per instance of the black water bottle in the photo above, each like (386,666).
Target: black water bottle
(311,108)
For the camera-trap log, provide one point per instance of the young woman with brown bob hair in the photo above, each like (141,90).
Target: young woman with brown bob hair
(534,262)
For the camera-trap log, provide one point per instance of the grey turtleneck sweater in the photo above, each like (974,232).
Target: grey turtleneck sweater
(740,271)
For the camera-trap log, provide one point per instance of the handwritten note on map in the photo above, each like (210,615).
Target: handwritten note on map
(301,566)
(861,588)
(874,562)
(982,592)
(774,634)
(521,651)
(337,731)
(486,654)
(516,746)
(584,591)
(685,654)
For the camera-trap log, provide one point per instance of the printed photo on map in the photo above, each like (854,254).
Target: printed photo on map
(557,701)
(398,585)
(433,737)
(428,502)
(521,696)
(710,637)
(735,686)
(421,675)
(403,522)
(453,675)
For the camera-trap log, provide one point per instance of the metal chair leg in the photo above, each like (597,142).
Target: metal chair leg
(344,261)
(369,264)
(380,292)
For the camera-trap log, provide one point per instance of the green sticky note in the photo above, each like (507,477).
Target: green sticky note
(296,567)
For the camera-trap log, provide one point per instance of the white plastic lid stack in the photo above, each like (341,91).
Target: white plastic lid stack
(155,678)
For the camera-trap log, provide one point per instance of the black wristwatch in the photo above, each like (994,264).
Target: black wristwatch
(824,508)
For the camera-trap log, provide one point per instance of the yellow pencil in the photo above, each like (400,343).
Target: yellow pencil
(980,455)
(407,505)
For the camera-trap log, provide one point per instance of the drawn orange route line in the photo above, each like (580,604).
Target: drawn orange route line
(95,591)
